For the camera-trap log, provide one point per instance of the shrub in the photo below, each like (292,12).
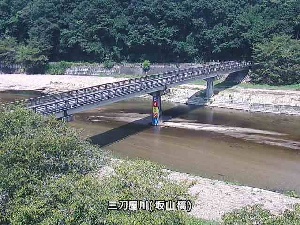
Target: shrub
(33,148)
(58,68)
(146,65)
(256,215)
(76,199)
(279,61)
(108,64)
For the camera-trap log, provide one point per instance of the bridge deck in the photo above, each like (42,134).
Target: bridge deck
(75,101)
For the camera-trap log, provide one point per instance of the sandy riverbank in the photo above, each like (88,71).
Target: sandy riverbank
(216,198)
(50,83)
(213,198)
(253,100)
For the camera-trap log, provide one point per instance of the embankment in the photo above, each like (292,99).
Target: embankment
(253,100)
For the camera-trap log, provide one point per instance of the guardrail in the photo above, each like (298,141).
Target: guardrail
(117,91)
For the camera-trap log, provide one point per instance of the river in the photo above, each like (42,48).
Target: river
(255,149)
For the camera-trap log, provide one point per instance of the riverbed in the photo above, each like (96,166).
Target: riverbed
(259,150)
(240,148)
(255,149)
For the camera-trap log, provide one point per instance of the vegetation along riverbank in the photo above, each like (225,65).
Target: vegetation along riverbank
(50,175)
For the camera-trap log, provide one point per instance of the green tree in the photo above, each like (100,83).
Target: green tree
(8,51)
(278,61)
(161,31)
(32,58)
(146,65)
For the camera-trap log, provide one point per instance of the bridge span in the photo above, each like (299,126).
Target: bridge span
(63,105)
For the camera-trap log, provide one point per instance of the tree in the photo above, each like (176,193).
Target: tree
(32,59)
(8,51)
(146,66)
(279,61)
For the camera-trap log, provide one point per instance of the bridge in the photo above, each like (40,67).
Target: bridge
(63,105)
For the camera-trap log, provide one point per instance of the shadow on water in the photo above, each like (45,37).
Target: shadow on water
(117,134)
(122,132)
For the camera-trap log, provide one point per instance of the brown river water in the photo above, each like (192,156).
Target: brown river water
(255,149)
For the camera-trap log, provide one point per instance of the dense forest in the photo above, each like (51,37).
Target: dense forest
(158,30)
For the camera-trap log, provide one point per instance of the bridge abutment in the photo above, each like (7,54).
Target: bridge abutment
(156,108)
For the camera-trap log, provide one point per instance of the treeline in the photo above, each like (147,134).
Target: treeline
(158,30)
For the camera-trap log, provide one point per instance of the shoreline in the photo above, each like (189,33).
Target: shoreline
(213,197)
(237,98)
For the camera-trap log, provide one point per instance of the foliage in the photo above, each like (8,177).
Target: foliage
(146,65)
(293,194)
(144,181)
(279,61)
(7,51)
(161,31)
(73,199)
(108,64)
(33,148)
(32,59)
(49,175)
(256,215)
(58,68)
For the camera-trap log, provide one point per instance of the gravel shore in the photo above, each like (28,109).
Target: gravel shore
(215,198)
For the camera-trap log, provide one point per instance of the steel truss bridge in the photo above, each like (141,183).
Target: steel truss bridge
(65,104)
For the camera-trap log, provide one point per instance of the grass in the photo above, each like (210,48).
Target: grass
(194,221)
(293,194)
(253,215)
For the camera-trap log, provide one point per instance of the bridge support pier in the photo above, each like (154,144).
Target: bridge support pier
(209,87)
(67,117)
(156,108)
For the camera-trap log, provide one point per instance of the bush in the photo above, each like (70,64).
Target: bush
(146,65)
(73,199)
(58,68)
(34,148)
(108,64)
(256,215)
(279,61)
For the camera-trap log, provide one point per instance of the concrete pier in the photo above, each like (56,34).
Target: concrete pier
(156,108)
(209,87)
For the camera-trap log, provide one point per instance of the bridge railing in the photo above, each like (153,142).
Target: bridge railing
(90,95)
(159,79)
